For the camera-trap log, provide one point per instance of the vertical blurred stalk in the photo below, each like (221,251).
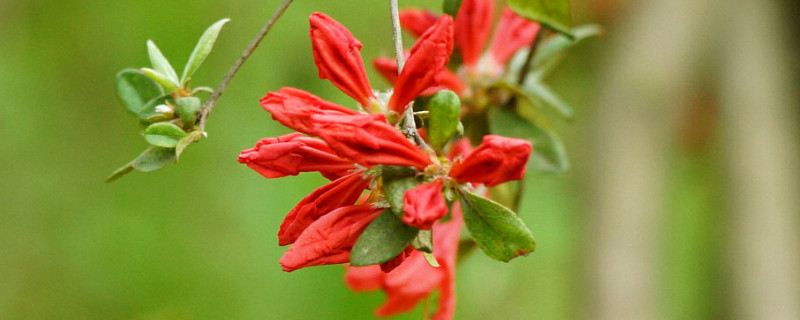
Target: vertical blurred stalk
(653,64)
(760,123)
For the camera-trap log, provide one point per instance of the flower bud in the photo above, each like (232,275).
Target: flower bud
(498,159)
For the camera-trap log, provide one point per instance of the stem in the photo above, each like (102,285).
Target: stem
(409,125)
(212,100)
(526,67)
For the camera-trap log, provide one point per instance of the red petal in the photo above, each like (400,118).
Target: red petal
(329,239)
(513,32)
(416,21)
(294,107)
(498,159)
(368,140)
(364,278)
(339,193)
(338,57)
(427,60)
(424,204)
(447,79)
(294,153)
(473,23)
(390,265)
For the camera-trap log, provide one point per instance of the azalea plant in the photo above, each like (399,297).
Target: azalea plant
(420,172)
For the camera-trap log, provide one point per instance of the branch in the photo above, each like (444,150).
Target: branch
(212,100)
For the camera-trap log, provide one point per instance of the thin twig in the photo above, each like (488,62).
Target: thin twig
(212,100)
(526,67)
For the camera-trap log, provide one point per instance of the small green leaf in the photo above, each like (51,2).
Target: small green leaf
(164,134)
(498,231)
(187,110)
(382,240)
(558,43)
(193,136)
(543,94)
(424,241)
(135,89)
(431,259)
(444,112)
(151,159)
(160,78)
(394,190)
(554,14)
(160,63)
(451,7)
(549,154)
(149,114)
(201,50)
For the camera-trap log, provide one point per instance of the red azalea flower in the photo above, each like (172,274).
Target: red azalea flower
(424,204)
(294,107)
(415,279)
(294,153)
(498,159)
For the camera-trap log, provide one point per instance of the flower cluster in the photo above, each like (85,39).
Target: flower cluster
(377,170)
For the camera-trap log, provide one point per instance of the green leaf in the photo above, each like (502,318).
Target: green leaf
(160,78)
(543,94)
(160,63)
(135,89)
(149,114)
(451,7)
(396,181)
(554,14)
(201,50)
(164,134)
(444,112)
(496,229)
(151,159)
(424,241)
(431,259)
(382,240)
(193,136)
(187,110)
(558,43)
(548,154)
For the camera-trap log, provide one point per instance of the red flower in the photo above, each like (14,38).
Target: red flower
(473,24)
(294,153)
(498,159)
(513,32)
(415,279)
(294,107)
(329,239)
(369,142)
(417,21)
(424,204)
(339,193)
(447,79)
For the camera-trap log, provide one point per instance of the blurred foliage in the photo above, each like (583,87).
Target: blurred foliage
(197,241)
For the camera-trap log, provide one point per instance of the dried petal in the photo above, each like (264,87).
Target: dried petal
(294,107)
(498,159)
(417,21)
(294,153)
(424,204)
(513,32)
(473,23)
(339,193)
(337,55)
(329,239)
(427,60)
(369,141)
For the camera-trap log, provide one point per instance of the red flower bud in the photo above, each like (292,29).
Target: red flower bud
(329,239)
(337,55)
(387,68)
(513,32)
(339,193)
(294,107)
(427,60)
(417,21)
(498,159)
(473,23)
(424,204)
(294,153)
(369,141)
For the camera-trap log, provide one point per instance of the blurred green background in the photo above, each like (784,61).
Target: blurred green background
(197,240)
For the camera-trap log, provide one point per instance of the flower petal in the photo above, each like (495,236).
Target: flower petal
(337,55)
(473,23)
(294,153)
(387,68)
(498,159)
(513,32)
(294,107)
(427,60)
(424,204)
(417,21)
(339,193)
(329,239)
(369,141)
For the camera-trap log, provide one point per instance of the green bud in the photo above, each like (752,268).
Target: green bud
(444,111)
